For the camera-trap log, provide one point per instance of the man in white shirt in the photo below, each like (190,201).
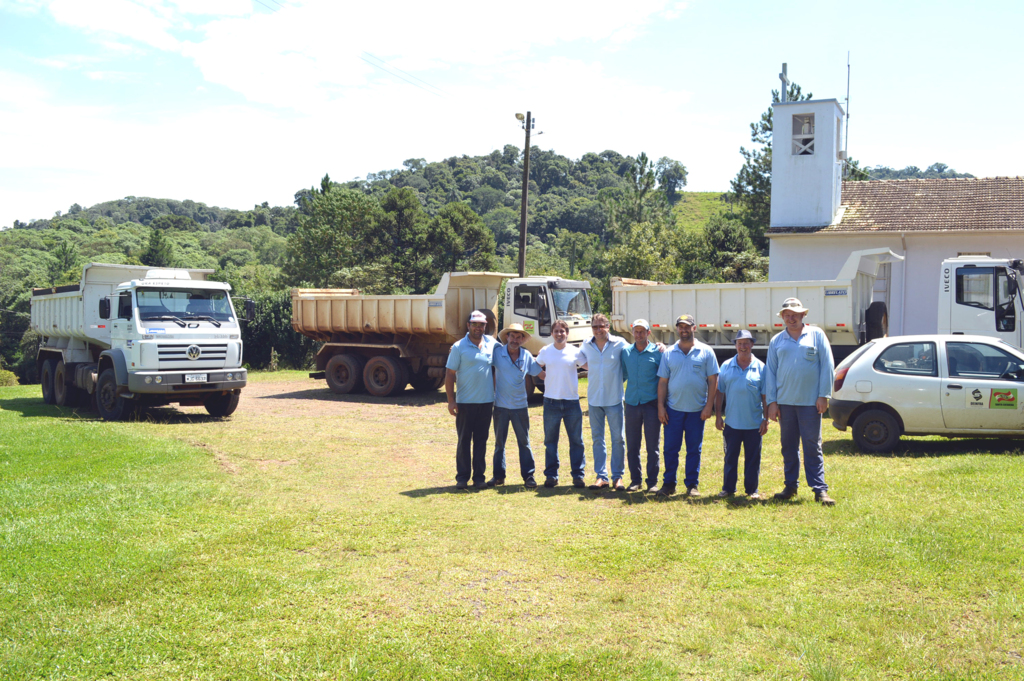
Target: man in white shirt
(562,404)
(603,354)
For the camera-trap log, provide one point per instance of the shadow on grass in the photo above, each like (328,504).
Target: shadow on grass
(408,398)
(35,408)
(919,448)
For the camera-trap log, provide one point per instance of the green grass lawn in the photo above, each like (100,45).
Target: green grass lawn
(317,536)
(693,209)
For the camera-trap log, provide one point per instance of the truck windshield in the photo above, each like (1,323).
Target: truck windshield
(571,303)
(185,304)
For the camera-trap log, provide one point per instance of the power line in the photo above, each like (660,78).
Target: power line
(405,72)
(265,5)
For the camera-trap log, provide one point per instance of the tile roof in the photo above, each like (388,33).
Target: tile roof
(950,204)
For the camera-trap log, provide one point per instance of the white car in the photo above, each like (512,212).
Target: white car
(952,385)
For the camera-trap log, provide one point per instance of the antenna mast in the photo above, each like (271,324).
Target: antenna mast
(846,145)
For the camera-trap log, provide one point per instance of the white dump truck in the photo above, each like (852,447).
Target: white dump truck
(384,343)
(975,295)
(132,336)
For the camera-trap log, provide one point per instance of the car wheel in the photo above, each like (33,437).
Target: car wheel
(876,431)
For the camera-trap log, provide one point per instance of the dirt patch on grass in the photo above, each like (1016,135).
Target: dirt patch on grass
(310,397)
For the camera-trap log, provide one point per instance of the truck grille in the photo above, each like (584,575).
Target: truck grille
(179,352)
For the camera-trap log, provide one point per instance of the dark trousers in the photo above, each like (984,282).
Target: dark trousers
(642,419)
(472,424)
(751,442)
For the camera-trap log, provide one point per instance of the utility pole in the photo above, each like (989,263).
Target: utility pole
(527,125)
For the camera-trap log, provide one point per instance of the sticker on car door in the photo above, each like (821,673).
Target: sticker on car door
(990,398)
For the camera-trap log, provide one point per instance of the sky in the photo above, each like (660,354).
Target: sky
(238,102)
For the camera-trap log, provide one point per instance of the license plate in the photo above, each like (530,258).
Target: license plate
(195,378)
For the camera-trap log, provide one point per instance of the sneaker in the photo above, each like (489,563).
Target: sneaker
(725,495)
(550,482)
(824,499)
(635,487)
(578,482)
(496,482)
(529,482)
(755,496)
(666,491)
(786,494)
(692,492)
(462,485)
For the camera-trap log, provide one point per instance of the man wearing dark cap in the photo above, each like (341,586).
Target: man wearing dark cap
(745,420)
(687,382)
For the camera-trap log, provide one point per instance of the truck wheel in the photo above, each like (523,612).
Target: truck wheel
(385,376)
(110,405)
(422,383)
(64,393)
(46,379)
(221,405)
(876,431)
(345,373)
(877,320)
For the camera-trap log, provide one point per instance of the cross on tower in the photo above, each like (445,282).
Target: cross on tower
(785,85)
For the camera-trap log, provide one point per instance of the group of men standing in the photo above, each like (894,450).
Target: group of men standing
(679,387)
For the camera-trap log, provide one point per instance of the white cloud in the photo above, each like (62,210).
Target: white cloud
(118,17)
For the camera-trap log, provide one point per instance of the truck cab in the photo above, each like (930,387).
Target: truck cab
(536,302)
(981,296)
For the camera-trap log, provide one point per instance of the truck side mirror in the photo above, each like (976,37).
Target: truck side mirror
(104,308)
(250,310)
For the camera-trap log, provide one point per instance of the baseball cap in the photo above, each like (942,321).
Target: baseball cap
(686,319)
(477,316)
(641,322)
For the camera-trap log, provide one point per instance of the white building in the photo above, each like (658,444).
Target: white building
(817,218)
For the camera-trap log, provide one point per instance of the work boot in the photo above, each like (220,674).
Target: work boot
(692,492)
(550,482)
(786,494)
(530,482)
(666,490)
(824,499)
(496,482)
(462,485)
(578,482)
(724,495)
(600,484)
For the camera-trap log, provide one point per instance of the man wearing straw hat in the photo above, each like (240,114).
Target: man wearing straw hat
(798,384)
(512,363)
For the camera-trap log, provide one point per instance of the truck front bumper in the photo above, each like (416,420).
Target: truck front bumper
(840,411)
(174,381)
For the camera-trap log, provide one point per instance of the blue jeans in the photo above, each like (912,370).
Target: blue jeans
(520,419)
(798,424)
(555,412)
(751,442)
(642,419)
(597,418)
(680,424)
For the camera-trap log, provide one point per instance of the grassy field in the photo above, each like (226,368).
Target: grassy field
(693,209)
(318,536)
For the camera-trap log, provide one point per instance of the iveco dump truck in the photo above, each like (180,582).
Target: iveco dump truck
(384,343)
(130,336)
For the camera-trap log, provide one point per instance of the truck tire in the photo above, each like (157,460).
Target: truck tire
(385,376)
(65,394)
(422,383)
(345,373)
(877,320)
(46,380)
(876,431)
(221,405)
(110,405)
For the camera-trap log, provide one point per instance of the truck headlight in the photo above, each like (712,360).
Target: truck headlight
(231,376)
(159,379)
(149,379)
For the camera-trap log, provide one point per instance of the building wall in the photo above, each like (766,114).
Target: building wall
(914,282)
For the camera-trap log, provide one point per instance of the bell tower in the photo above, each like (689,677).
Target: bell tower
(807,161)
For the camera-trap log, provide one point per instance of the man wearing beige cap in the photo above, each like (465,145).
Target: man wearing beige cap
(640,363)
(512,363)
(798,383)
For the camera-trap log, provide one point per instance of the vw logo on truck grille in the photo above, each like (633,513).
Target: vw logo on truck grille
(193,352)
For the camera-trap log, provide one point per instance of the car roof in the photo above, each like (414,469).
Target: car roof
(935,337)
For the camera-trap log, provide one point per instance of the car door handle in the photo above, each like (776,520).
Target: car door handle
(955,386)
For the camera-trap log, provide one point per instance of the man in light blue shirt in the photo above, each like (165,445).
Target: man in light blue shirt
(640,362)
(469,366)
(512,363)
(687,383)
(603,354)
(745,421)
(798,383)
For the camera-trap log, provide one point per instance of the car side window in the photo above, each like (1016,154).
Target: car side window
(981,360)
(910,359)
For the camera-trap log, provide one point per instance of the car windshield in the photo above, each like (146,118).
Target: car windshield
(185,304)
(571,303)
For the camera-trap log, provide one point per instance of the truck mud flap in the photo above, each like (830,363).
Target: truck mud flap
(318,374)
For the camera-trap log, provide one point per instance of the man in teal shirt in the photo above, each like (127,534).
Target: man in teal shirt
(640,363)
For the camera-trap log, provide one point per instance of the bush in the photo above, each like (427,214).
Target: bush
(270,337)
(7,378)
